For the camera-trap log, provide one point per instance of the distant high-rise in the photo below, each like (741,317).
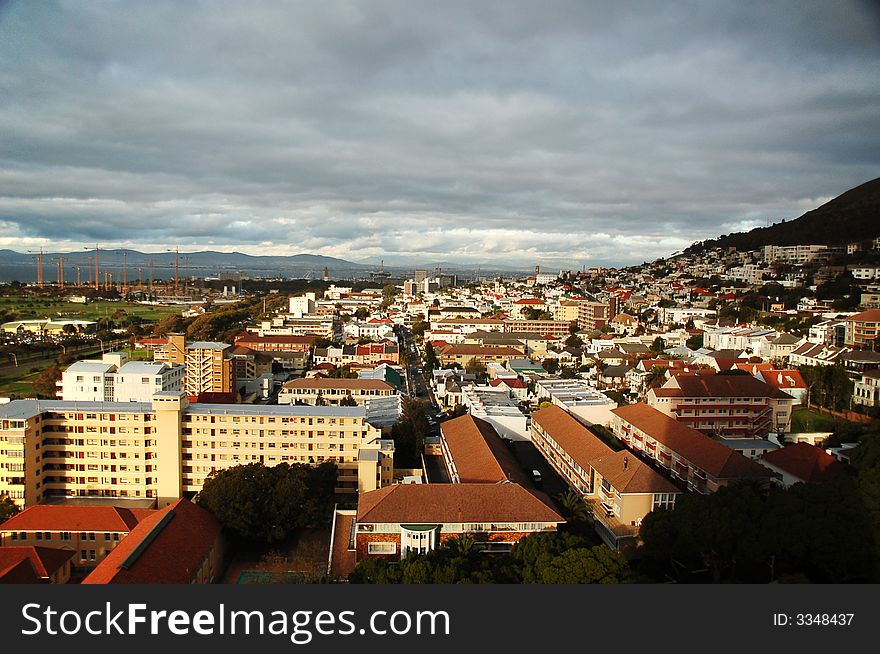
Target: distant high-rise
(421,275)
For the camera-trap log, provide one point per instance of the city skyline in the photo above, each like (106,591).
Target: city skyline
(566,135)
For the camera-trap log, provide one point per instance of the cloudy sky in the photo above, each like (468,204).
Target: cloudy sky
(571,133)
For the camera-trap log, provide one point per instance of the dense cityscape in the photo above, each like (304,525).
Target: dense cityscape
(601,425)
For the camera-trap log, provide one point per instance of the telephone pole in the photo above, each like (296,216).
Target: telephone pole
(97,274)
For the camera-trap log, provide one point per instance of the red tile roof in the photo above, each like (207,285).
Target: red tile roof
(21,571)
(60,517)
(478,452)
(723,386)
(627,474)
(709,455)
(579,443)
(46,560)
(169,547)
(806,462)
(453,503)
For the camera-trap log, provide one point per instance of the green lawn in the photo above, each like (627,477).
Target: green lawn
(17,385)
(808,420)
(39,307)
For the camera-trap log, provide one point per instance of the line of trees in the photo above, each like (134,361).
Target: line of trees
(542,558)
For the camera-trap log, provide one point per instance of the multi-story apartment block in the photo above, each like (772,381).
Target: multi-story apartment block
(725,405)
(793,254)
(276,343)
(322,326)
(333,391)
(691,458)
(461,354)
(593,315)
(863,329)
(551,328)
(208,367)
(620,489)
(166,449)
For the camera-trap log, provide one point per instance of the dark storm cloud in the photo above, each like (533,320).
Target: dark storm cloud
(515,132)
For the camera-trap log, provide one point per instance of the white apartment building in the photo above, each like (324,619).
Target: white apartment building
(302,305)
(115,379)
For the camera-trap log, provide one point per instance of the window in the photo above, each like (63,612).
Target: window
(382,548)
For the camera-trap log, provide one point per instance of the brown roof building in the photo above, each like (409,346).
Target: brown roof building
(332,390)
(396,520)
(90,532)
(474,453)
(42,565)
(619,488)
(803,462)
(180,544)
(733,406)
(690,457)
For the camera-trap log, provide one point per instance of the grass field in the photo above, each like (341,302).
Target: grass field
(21,386)
(808,420)
(38,307)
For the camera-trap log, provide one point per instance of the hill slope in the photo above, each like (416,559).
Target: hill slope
(850,217)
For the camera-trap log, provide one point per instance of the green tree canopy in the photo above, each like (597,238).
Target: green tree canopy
(262,504)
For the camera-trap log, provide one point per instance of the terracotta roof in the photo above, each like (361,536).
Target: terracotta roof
(711,456)
(806,462)
(249,337)
(871,315)
(577,441)
(723,386)
(46,560)
(628,474)
(344,384)
(22,571)
(452,503)
(478,452)
(166,548)
(60,517)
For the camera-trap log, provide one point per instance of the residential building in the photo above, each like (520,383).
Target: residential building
(166,449)
(208,366)
(313,390)
(28,564)
(863,329)
(619,488)
(802,463)
(578,398)
(866,390)
(474,453)
(394,521)
(691,458)
(495,406)
(180,544)
(275,343)
(816,354)
(724,405)
(450,355)
(90,532)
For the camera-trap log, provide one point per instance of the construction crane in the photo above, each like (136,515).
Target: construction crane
(59,270)
(97,274)
(78,276)
(39,259)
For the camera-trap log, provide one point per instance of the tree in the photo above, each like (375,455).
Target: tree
(362,313)
(348,400)
(595,565)
(550,365)
(658,345)
(261,504)
(568,372)
(431,360)
(8,508)
(320,401)
(44,384)
(695,342)
(655,377)
(475,367)
(573,507)
(419,327)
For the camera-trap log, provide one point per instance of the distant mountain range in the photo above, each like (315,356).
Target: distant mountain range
(22,266)
(850,217)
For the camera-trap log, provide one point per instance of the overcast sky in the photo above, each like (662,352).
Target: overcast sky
(570,133)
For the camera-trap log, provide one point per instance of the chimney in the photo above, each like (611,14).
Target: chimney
(625,462)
